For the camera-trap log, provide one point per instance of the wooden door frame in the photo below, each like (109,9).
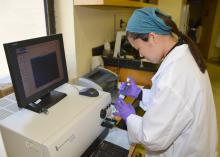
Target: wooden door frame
(207,25)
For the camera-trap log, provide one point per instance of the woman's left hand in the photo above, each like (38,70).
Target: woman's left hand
(124,110)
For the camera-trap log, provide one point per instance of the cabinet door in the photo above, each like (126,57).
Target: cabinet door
(113,69)
(119,3)
(141,77)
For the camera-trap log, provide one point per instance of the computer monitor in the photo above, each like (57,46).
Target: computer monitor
(37,66)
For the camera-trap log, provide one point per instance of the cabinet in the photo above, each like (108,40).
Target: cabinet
(122,3)
(141,77)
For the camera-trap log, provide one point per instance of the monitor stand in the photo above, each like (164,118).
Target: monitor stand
(46,102)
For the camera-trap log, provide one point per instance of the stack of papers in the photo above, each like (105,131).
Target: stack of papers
(118,137)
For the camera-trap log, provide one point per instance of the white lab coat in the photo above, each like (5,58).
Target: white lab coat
(180,117)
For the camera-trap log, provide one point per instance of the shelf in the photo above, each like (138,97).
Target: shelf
(118,3)
(131,64)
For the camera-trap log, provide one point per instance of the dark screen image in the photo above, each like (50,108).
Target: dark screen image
(96,75)
(45,69)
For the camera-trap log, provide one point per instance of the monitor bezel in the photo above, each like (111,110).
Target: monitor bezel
(10,51)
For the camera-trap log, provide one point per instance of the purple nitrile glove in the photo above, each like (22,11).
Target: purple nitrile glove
(124,110)
(131,90)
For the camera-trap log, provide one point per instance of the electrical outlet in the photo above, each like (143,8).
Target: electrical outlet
(121,21)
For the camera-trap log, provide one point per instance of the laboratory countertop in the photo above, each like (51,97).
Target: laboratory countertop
(130,63)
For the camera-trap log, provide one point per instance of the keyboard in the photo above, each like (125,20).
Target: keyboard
(8,106)
(107,149)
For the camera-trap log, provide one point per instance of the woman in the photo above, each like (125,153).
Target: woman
(180,117)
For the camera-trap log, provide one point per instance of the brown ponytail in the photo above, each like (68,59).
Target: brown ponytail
(192,46)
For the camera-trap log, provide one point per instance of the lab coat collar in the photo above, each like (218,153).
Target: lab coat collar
(176,53)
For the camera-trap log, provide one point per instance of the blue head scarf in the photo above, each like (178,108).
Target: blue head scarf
(145,20)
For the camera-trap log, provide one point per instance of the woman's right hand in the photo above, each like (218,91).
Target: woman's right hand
(131,90)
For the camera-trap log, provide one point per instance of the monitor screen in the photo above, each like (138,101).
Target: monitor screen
(37,66)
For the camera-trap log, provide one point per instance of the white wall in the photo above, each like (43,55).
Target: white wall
(65,24)
(173,8)
(19,20)
(93,27)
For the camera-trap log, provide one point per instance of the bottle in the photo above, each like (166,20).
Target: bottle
(107,49)
(125,89)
